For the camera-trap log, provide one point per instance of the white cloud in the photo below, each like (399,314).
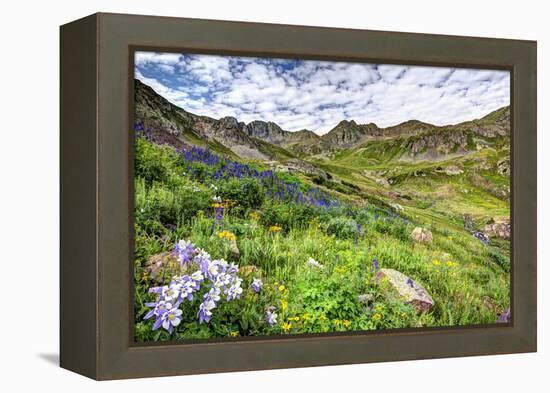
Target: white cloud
(317,95)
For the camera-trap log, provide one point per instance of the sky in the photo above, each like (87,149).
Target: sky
(317,95)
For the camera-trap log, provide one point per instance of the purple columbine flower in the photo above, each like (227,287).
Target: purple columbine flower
(171,318)
(170,292)
(159,308)
(375,264)
(205,310)
(505,317)
(234,291)
(271,316)
(184,251)
(257,285)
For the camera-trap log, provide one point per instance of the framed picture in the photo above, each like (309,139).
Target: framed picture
(241,196)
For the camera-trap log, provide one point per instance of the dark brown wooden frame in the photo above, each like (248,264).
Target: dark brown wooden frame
(97,195)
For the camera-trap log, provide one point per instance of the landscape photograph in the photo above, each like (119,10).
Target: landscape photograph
(286,196)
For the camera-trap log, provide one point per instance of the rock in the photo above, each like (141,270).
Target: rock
(235,253)
(158,263)
(453,170)
(468,222)
(248,270)
(421,235)
(412,292)
(499,228)
(396,206)
(503,166)
(383,182)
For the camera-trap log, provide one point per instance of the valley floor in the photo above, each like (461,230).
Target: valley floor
(229,249)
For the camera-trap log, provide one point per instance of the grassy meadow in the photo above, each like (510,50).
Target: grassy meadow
(306,250)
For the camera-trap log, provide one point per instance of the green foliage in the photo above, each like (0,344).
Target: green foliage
(247,193)
(342,227)
(468,281)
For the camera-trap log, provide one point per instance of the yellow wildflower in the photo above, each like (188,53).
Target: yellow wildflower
(281,288)
(275,228)
(379,308)
(287,326)
(337,322)
(306,316)
(234,334)
(217,205)
(377,317)
(451,264)
(295,319)
(436,262)
(346,323)
(284,304)
(255,216)
(227,235)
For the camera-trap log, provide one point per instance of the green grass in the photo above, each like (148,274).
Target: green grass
(468,281)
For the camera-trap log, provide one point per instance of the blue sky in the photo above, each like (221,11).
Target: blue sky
(317,95)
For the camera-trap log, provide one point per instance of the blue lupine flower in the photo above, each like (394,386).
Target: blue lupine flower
(375,264)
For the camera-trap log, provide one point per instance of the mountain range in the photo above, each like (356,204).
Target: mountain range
(267,141)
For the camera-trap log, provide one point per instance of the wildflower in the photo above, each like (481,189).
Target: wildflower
(257,285)
(379,308)
(234,334)
(436,262)
(170,293)
(227,235)
(346,323)
(357,233)
(205,309)
(295,319)
(287,326)
(284,304)
(184,251)
(275,228)
(410,282)
(375,264)
(254,216)
(159,308)
(217,199)
(234,291)
(171,318)
(377,317)
(505,317)
(306,316)
(481,237)
(271,316)
(314,263)
(281,288)
(450,264)
(337,322)
(364,298)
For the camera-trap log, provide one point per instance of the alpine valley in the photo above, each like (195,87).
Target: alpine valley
(414,218)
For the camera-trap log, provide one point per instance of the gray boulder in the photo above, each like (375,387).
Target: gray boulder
(410,291)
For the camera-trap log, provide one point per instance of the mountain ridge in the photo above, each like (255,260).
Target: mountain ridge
(266,140)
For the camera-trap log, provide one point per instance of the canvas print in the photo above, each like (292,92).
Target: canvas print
(287,196)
